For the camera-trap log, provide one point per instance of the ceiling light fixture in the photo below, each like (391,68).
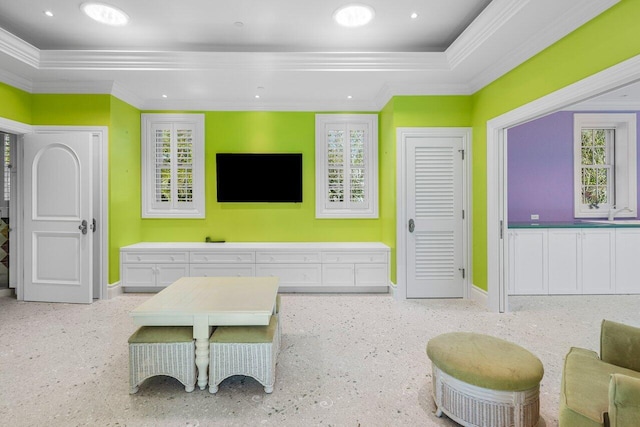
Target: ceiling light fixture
(349,97)
(164,96)
(414,15)
(105,14)
(354,15)
(48,13)
(257,96)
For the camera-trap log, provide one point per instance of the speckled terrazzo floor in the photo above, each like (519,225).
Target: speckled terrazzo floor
(346,360)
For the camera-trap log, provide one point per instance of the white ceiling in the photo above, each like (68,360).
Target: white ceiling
(289,52)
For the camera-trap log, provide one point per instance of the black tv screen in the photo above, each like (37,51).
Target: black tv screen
(251,177)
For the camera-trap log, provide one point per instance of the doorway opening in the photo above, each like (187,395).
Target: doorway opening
(7,214)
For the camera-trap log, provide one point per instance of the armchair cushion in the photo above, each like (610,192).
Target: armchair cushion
(585,384)
(624,400)
(620,345)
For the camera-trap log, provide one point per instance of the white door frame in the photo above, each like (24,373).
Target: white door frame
(402,133)
(102,214)
(614,77)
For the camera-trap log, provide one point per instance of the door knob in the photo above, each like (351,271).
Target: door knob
(83,226)
(412,225)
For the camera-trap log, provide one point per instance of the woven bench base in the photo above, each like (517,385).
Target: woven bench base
(175,360)
(474,406)
(256,360)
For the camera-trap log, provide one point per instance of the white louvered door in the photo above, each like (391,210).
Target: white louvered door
(434,204)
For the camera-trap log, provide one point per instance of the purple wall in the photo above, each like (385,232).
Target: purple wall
(540,169)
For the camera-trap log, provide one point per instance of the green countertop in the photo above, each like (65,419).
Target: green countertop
(585,223)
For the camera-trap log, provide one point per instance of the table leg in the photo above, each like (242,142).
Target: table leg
(201,335)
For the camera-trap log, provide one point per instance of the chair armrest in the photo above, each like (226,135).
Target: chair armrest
(620,345)
(624,401)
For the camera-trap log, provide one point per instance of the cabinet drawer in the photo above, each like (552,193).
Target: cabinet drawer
(372,275)
(287,257)
(226,257)
(338,274)
(292,274)
(138,275)
(354,257)
(221,270)
(154,257)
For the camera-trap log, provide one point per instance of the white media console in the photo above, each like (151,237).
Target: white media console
(301,267)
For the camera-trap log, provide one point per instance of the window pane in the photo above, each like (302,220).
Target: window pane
(589,195)
(599,156)
(587,137)
(599,137)
(587,156)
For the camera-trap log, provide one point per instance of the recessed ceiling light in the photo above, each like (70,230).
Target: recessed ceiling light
(354,15)
(164,96)
(349,97)
(239,24)
(414,15)
(105,14)
(48,13)
(257,96)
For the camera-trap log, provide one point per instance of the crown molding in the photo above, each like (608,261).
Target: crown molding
(74,87)
(487,24)
(287,61)
(388,91)
(19,49)
(605,105)
(292,105)
(545,37)
(16,81)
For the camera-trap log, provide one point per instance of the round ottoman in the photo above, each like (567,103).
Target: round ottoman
(479,380)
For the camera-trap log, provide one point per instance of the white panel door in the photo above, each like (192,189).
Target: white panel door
(57,240)
(435,217)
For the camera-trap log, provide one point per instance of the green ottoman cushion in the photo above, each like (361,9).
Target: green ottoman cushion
(485,361)
(161,334)
(245,334)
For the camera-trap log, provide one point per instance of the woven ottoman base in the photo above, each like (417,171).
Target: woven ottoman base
(475,406)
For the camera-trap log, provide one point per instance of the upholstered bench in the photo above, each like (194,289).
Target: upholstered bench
(162,350)
(244,350)
(479,380)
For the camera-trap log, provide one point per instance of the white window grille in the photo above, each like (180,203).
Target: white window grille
(605,176)
(173,163)
(346,166)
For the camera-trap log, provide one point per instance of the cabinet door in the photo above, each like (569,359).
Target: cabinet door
(627,249)
(528,264)
(140,275)
(565,274)
(221,270)
(372,275)
(597,261)
(338,274)
(292,274)
(166,274)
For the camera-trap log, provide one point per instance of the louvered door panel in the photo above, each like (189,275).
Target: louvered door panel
(434,186)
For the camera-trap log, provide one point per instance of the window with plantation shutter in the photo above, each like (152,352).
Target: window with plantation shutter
(346,166)
(173,165)
(605,176)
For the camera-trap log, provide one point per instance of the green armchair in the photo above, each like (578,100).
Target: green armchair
(605,390)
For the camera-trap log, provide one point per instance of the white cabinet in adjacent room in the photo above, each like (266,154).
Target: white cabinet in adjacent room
(597,261)
(565,257)
(528,262)
(627,260)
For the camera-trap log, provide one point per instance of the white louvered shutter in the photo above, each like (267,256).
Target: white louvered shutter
(434,184)
(346,156)
(174,166)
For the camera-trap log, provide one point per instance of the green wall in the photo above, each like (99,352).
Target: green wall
(610,38)
(242,222)
(124,182)
(15,104)
(601,43)
(410,111)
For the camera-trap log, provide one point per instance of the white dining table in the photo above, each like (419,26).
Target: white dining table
(204,302)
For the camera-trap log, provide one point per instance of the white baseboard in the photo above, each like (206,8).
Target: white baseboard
(113,290)
(8,292)
(393,289)
(479,295)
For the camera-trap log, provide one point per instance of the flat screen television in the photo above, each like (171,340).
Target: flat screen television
(253,177)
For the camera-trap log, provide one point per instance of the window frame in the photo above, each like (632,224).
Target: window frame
(624,164)
(150,208)
(347,209)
